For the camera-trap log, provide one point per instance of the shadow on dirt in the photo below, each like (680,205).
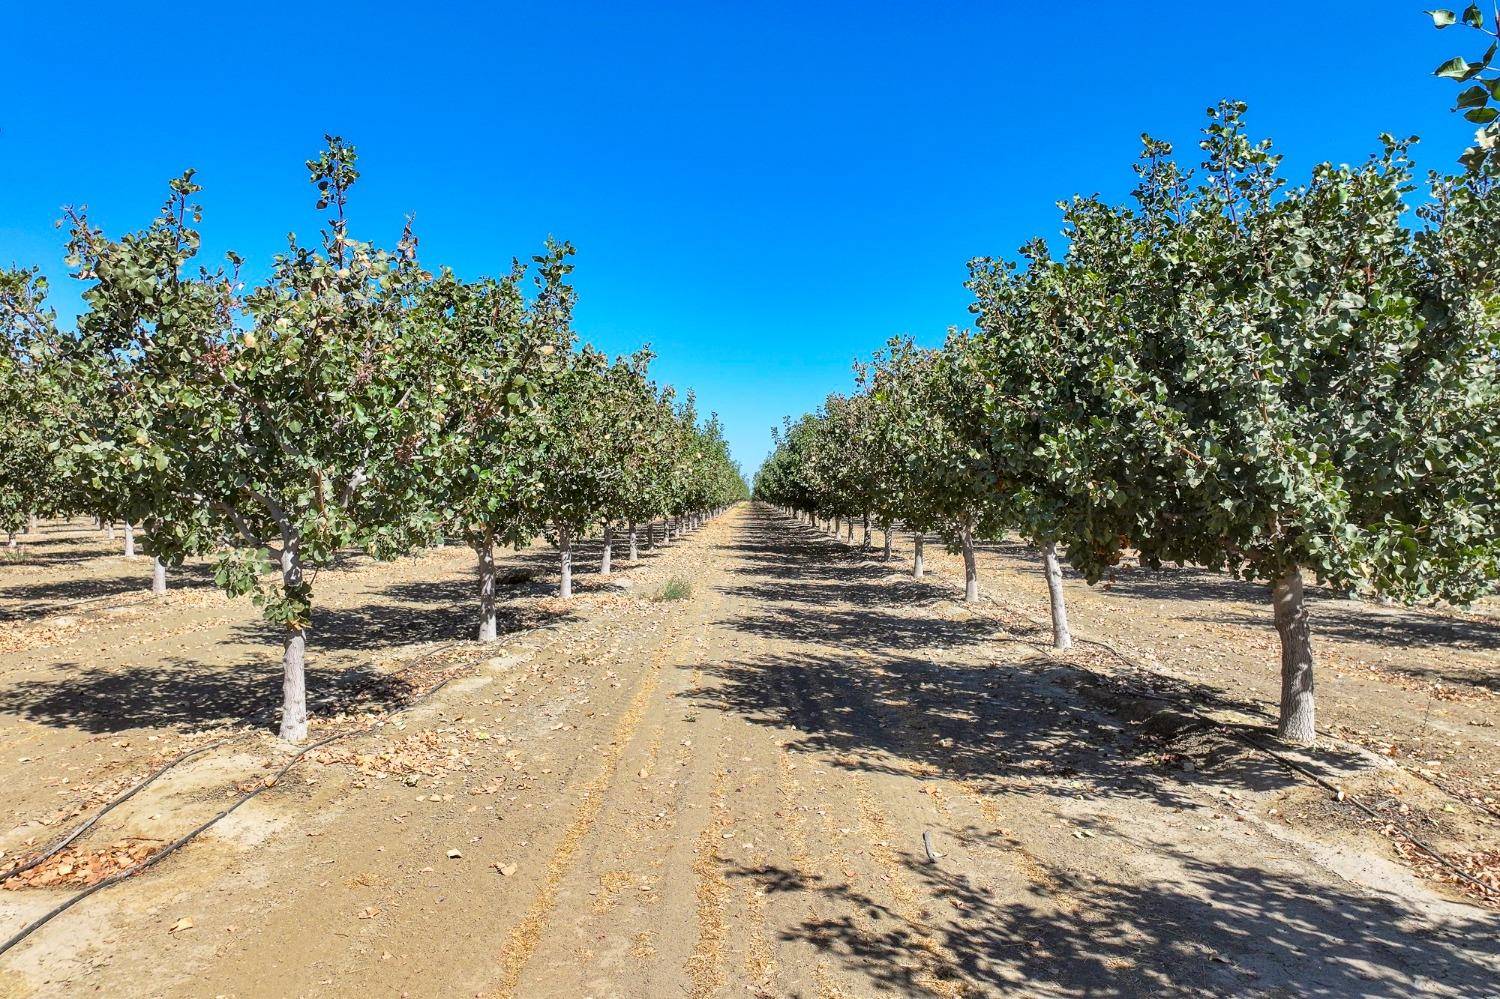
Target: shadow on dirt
(187,695)
(1230,930)
(920,696)
(181,694)
(38,600)
(940,696)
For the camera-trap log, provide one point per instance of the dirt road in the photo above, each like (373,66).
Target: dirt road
(812,778)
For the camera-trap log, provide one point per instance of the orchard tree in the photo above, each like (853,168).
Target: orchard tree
(138,296)
(646,492)
(289,423)
(579,478)
(1286,381)
(962,492)
(31,403)
(898,390)
(501,364)
(1033,385)
(629,403)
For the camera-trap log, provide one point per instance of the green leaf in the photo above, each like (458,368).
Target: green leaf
(1473,17)
(1474,97)
(1482,116)
(1454,69)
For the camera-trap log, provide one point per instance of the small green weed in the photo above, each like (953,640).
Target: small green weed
(675,588)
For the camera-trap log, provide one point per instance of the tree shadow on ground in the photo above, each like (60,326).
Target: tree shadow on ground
(415,612)
(1333,615)
(944,696)
(1223,929)
(183,694)
(44,598)
(1402,630)
(1035,727)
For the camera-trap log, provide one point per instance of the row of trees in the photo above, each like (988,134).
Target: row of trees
(352,400)
(1278,381)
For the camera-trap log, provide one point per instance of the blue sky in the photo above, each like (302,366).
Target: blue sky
(761,191)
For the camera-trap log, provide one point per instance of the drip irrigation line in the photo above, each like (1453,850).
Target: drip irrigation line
(141,785)
(265,784)
(120,799)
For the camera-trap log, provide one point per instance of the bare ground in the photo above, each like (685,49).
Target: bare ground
(728,794)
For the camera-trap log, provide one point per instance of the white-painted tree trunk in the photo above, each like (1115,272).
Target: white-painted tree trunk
(109,530)
(294,647)
(31,524)
(158,576)
(129,540)
(10,539)
(971,570)
(486,551)
(565,547)
(918,565)
(635,552)
(609,549)
(1061,637)
(1298,716)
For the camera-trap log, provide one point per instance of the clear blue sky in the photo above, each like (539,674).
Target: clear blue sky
(761,191)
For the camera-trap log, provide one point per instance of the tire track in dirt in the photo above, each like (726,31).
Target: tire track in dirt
(524,937)
(609,796)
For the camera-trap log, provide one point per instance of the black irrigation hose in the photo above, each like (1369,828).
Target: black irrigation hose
(264,785)
(88,823)
(142,784)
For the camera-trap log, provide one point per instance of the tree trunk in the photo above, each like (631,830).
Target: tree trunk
(486,551)
(158,576)
(918,567)
(635,552)
(565,546)
(651,535)
(1061,637)
(1297,720)
(865,543)
(294,645)
(886,532)
(971,572)
(849,530)
(31,524)
(129,540)
(609,550)
(110,530)
(10,539)
(835,525)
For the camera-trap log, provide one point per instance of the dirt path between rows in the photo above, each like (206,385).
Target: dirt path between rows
(811,778)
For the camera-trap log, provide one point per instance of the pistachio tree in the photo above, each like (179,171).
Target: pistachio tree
(1284,381)
(501,359)
(901,377)
(287,423)
(32,404)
